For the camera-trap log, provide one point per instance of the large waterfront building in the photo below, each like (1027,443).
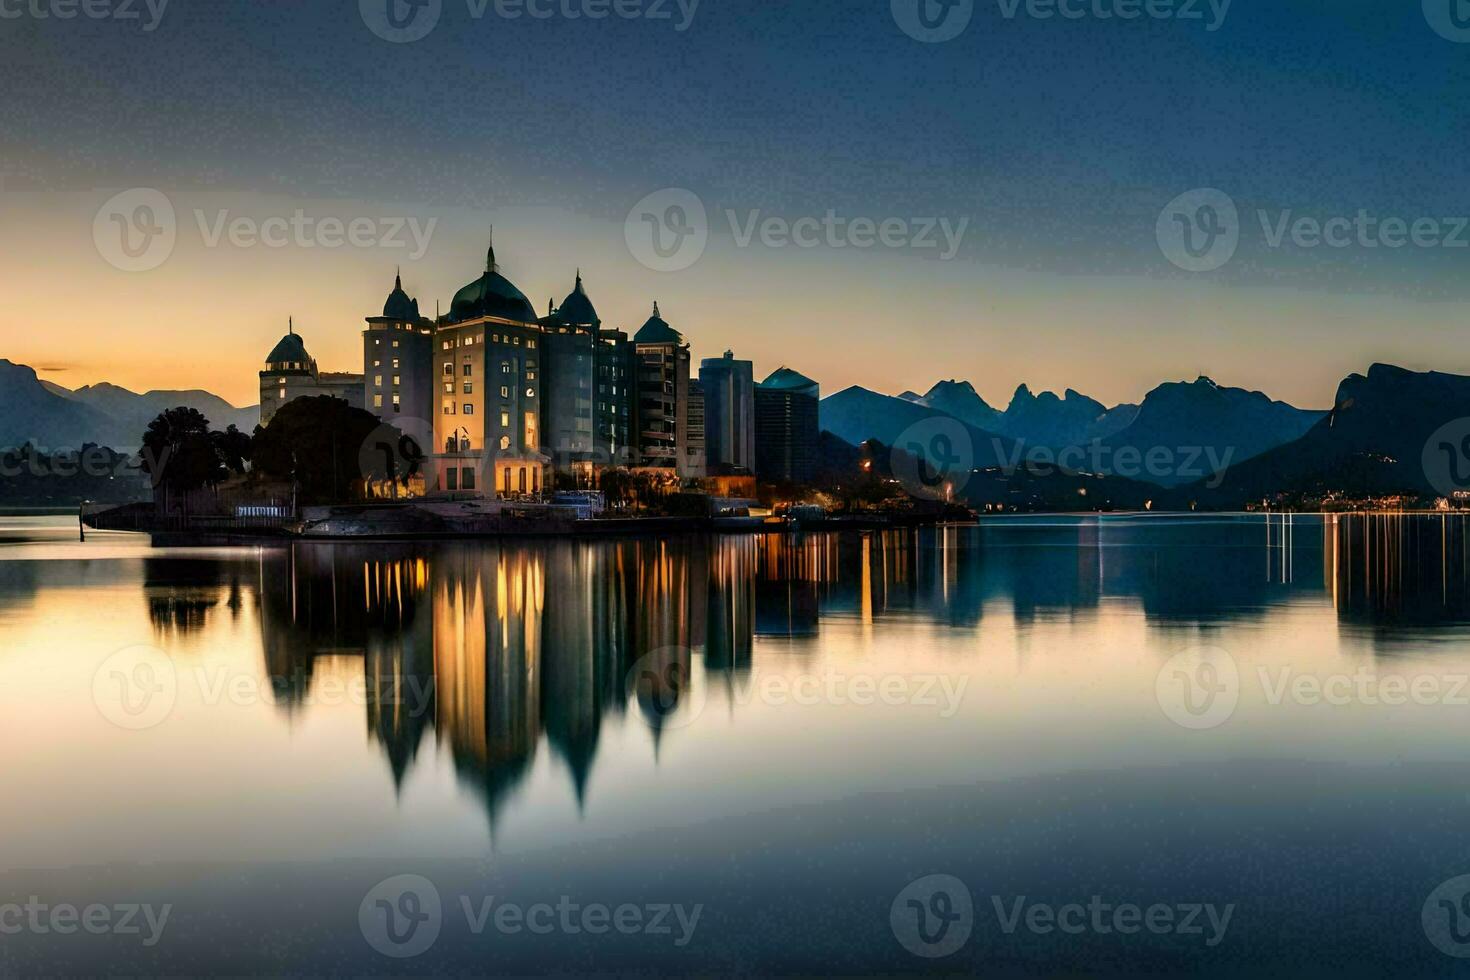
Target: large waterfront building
(291,373)
(786,427)
(398,360)
(729,414)
(509,402)
(488,369)
(663,396)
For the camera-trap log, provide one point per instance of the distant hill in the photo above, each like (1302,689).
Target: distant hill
(855,415)
(1227,424)
(1072,420)
(1373,442)
(31,412)
(137,410)
(52,417)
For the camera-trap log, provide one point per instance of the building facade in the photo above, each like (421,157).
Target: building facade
(291,373)
(488,377)
(786,427)
(398,361)
(695,466)
(729,414)
(663,396)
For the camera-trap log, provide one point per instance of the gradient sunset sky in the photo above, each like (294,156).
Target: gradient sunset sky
(1057,140)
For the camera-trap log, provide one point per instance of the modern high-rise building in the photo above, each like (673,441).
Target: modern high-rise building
(570,346)
(786,427)
(617,398)
(729,414)
(488,369)
(291,373)
(663,395)
(398,361)
(695,465)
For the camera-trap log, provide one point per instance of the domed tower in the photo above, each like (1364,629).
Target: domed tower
(291,373)
(398,363)
(289,369)
(488,378)
(663,397)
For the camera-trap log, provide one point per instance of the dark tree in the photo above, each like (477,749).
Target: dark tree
(319,444)
(233,447)
(179,453)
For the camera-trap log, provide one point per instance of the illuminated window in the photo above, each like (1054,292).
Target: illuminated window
(395,364)
(505,420)
(449,408)
(377,401)
(377,381)
(504,391)
(505,444)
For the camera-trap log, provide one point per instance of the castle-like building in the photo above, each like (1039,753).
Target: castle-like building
(513,398)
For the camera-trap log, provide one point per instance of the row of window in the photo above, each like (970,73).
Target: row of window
(478,338)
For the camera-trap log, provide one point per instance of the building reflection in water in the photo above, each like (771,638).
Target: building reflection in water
(496,645)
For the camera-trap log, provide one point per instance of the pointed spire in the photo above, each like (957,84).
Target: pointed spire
(551,306)
(291,325)
(398,278)
(579,280)
(655,311)
(490,253)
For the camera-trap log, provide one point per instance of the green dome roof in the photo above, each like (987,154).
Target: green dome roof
(491,295)
(785,379)
(657,331)
(289,350)
(577,308)
(399,306)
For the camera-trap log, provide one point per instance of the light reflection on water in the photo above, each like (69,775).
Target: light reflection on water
(749,721)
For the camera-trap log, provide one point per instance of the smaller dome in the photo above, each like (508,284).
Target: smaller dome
(785,379)
(577,308)
(290,350)
(657,331)
(399,306)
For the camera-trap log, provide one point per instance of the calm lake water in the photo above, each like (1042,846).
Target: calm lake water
(743,755)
